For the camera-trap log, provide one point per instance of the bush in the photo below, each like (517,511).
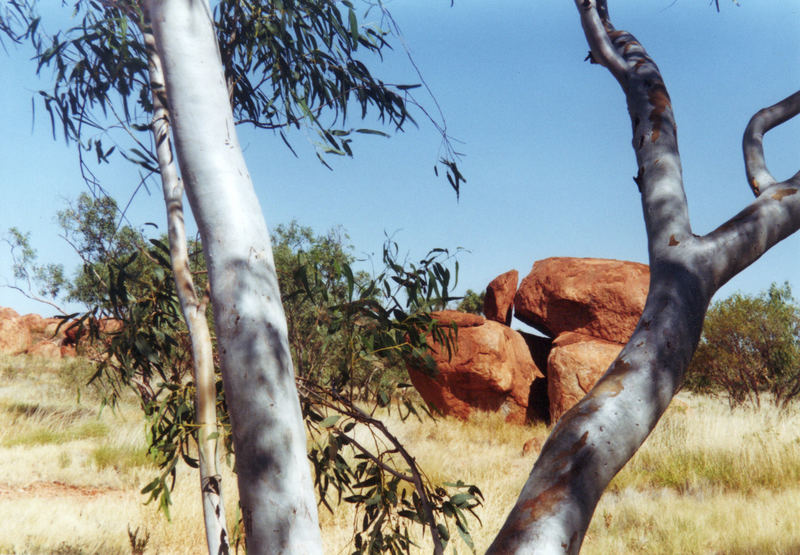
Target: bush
(750,345)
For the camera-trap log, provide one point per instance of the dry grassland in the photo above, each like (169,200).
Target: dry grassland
(707,481)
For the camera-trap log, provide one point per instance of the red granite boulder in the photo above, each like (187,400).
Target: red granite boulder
(499,299)
(491,369)
(15,337)
(591,296)
(575,364)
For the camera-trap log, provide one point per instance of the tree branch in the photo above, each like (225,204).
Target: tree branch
(596,27)
(659,176)
(758,176)
(192,308)
(740,241)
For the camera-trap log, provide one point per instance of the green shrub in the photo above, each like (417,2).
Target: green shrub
(750,345)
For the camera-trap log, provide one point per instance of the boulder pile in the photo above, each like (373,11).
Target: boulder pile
(586,310)
(46,337)
(33,334)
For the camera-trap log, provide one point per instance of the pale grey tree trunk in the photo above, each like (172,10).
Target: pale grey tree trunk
(593,441)
(278,504)
(194,313)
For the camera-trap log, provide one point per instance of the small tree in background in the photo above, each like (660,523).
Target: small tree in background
(472,302)
(750,345)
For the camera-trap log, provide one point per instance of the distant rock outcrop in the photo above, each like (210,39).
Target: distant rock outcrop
(491,369)
(15,337)
(32,334)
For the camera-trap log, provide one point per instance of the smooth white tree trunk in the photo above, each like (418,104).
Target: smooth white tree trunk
(595,439)
(194,312)
(278,504)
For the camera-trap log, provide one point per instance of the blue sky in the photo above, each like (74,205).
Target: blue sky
(546,138)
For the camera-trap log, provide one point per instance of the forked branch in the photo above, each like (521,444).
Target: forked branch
(596,26)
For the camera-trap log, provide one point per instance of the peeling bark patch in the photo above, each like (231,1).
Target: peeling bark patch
(529,512)
(659,100)
(611,383)
(673,242)
(783,193)
(614,35)
(543,503)
(754,186)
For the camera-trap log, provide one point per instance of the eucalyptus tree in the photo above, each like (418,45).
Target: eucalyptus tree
(592,442)
(272,65)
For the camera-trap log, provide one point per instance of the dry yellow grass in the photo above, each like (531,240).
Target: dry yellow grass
(708,480)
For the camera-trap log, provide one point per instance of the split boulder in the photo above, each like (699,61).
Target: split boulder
(590,296)
(491,369)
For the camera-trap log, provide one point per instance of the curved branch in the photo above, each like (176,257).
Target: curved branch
(596,27)
(740,241)
(758,176)
(659,175)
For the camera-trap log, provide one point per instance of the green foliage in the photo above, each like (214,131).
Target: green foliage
(288,63)
(352,333)
(472,302)
(318,350)
(750,345)
(36,281)
(91,225)
(385,484)
(291,61)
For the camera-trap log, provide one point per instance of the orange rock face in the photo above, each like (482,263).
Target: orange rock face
(46,349)
(491,369)
(597,297)
(15,337)
(575,364)
(35,335)
(499,300)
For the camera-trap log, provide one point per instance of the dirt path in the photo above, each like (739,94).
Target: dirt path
(55,489)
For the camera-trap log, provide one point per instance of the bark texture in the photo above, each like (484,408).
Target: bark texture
(593,440)
(278,505)
(194,313)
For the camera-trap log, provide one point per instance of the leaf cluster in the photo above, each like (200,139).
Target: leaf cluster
(289,61)
(380,477)
(147,351)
